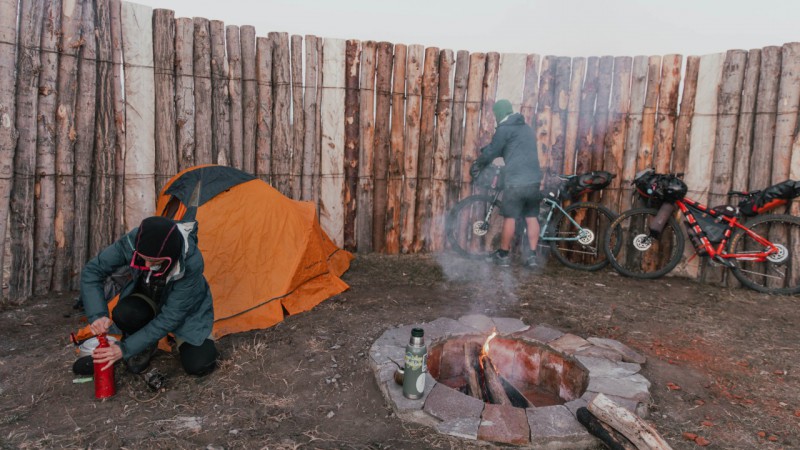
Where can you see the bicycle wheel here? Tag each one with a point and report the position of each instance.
(474, 226)
(633, 252)
(780, 273)
(585, 253)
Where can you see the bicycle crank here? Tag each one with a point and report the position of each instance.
(480, 228)
(642, 242)
(586, 236)
(780, 256)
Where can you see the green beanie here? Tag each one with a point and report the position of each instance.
(502, 108)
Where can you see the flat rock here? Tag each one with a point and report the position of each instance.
(448, 404)
(504, 424)
(634, 387)
(463, 428)
(507, 325)
(628, 354)
(569, 344)
(381, 354)
(600, 352)
(603, 367)
(481, 323)
(554, 427)
(443, 328)
(396, 336)
(540, 333)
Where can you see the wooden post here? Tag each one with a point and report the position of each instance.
(45, 185)
(544, 113)
(558, 123)
(442, 150)
(647, 141)
(457, 127)
(101, 217)
(331, 212)
(298, 119)
(8, 115)
(642, 434)
(477, 68)
(164, 59)
(583, 157)
(511, 79)
(747, 115)
(423, 211)
(309, 186)
(233, 45)
(203, 153)
(383, 88)
(20, 284)
(366, 145)
(766, 109)
(184, 92)
(667, 111)
(263, 160)
(573, 114)
(530, 90)
(786, 113)
(599, 139)
(351, 135)
(638, 92)
(394, 194)
(684, 125)
(488, 122)
(410, 168)
(247, 37)
(119, 118)
(220, 96)
(137, 37)
(281, 120)
(617, 129)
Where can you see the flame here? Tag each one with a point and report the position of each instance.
(485, 351)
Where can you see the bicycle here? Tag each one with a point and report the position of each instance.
(761, 253)
(473, 225)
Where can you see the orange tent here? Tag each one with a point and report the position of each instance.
(265, 254)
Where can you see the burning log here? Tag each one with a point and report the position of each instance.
(639, 432)
(483, 380)
(494, 387)
(472, 352)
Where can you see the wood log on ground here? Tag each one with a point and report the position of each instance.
(457, 127)
(351, 128)
(281, 120)
(530, 89)
(612, 438)
(558, 123)
(489, 95)
(394, 186)
(469, 153)
(472, 352)
(573, 114)
(119, 118)
(544, 112)
(202, 92)
(439, 177)
(308, 186)
(101, 217)
(639, 432)
(638, 92)
(583, 157)
(683, 128)
(8, 115)
(331, 200)
(422, 212)
(383, 88)
(667, 111)
(220, 96)
(766, 111)
(184, 92)
(747, 115)
(65, 144)
(247, 36)
(45, 185)
(494, 387)
(298, 119)
(20, 283)
(410, 167)
(366, 110)
(233, 45)
(164, 59)
(619, 108)
(647, 141)
(263, 166)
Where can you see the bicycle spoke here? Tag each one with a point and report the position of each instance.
(780, 272)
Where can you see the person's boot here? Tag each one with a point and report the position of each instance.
(139, 362)
(498, 259)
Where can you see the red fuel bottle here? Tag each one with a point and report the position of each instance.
(104, 385)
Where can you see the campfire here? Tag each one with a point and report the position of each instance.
(483, 380)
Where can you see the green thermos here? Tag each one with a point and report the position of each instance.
(416, 365)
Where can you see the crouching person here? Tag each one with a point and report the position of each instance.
(167, 294)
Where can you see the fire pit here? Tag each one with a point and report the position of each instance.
(499, 380)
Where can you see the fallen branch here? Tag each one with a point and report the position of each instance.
(643, 436)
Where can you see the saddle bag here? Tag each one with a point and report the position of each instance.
(587, 182)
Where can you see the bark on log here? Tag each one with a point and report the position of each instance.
(786, 114)
(164, 59)
(8, 114)
(683, 128)
(298, 119)
(366, 147)
(617, 129)
(331, 212)
(558, 122)
(309, 188)
(439, 176)
(220, 96)
(394, 186)
(638, 92)
(766, 109)
(583, 158)
(477, 68)
(457, 127)
(45, 185)
(599, 139)
(20, 283)
(667, 111)
(383, 88)
(497, 394)
(263, 160)
(202, 93)
(351, 128)
(642, 434)
(184, 92)
(247, 36)
(488, 122)
(281, 120)
(411, 144)
(573, 114)
(612, 438)
(647, 141)
(233, 45)
(119, 118)
(530, 90)
(472, 351)
(544, 113)
(747, 115)
(423, 211)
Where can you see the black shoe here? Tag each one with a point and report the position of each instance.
(532, 263)
(498, 259)
(83, 366)
(139, 362)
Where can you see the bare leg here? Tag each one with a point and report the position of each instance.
(509, 224)
(533, 232)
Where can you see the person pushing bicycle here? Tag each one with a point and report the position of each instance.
(514, 141)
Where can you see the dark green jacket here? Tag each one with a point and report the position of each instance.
(187, 310)
(515, 141)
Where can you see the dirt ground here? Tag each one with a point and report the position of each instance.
(723, 363)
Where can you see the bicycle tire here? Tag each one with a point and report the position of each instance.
(630, 252)
(462, 220)
(587, 253)
(780, 229)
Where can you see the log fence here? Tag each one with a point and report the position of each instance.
(101, 102)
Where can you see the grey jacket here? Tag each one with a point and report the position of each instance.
(187, 309)
(515, 141)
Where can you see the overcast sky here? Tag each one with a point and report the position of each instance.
(553, 27)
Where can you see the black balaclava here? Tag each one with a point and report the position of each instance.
(159, 237)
